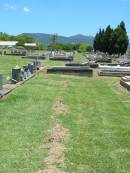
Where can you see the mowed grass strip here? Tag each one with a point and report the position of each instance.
(98, 122)
(24, 120)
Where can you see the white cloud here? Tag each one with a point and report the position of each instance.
(26, 9)
(8, 6)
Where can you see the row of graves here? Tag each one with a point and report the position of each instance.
(28, 55)
(78, 68)
(105, 66)
(70, 67)
(14, 52)
(125, 80)
(101, 61)
(20, 76)
(11, 48)
(119, 69)
(58, 56)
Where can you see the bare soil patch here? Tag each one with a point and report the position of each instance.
(51, 169)
(59, 107)
(58, 134)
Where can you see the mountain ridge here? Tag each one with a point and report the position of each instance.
(75, 39)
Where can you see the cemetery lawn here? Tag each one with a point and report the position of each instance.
(9, 62)
(97, 118)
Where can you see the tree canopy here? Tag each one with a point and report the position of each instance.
(20, 38)
(112, 41)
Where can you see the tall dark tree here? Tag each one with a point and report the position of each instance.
(124, 40)
(107, 39)
(95, 45)
(122, 25)
(101, 40)
(112, 41)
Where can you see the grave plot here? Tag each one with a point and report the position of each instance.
(125, 82)
(62, 58)
(30, 55)
(99, 58)
(82, 64)
(35, 56)
(80, 71)
(15, 53)
(116, 71)
(103, 60)
(77, 64)
(124, 62)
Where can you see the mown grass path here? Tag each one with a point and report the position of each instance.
(98, 120)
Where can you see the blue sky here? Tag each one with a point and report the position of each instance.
(64, 17)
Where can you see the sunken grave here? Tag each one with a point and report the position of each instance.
(71, 70)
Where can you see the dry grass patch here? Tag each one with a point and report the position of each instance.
(58, 134)
(56, 149)
(51, 169)
(59, 107)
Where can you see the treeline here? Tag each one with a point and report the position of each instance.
(20, 38)
(23, 38)
(112, 41)
(71, 47)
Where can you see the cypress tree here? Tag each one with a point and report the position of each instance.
(112, 41)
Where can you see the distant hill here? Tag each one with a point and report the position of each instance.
(46, 38)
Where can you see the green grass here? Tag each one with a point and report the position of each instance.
(9, 62)
(98, 121)
(99, 124)
(25, 117)
(49, 63)
(77, 58)
(80, 58)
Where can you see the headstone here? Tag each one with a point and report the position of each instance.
(16, 74)
(31, 68)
